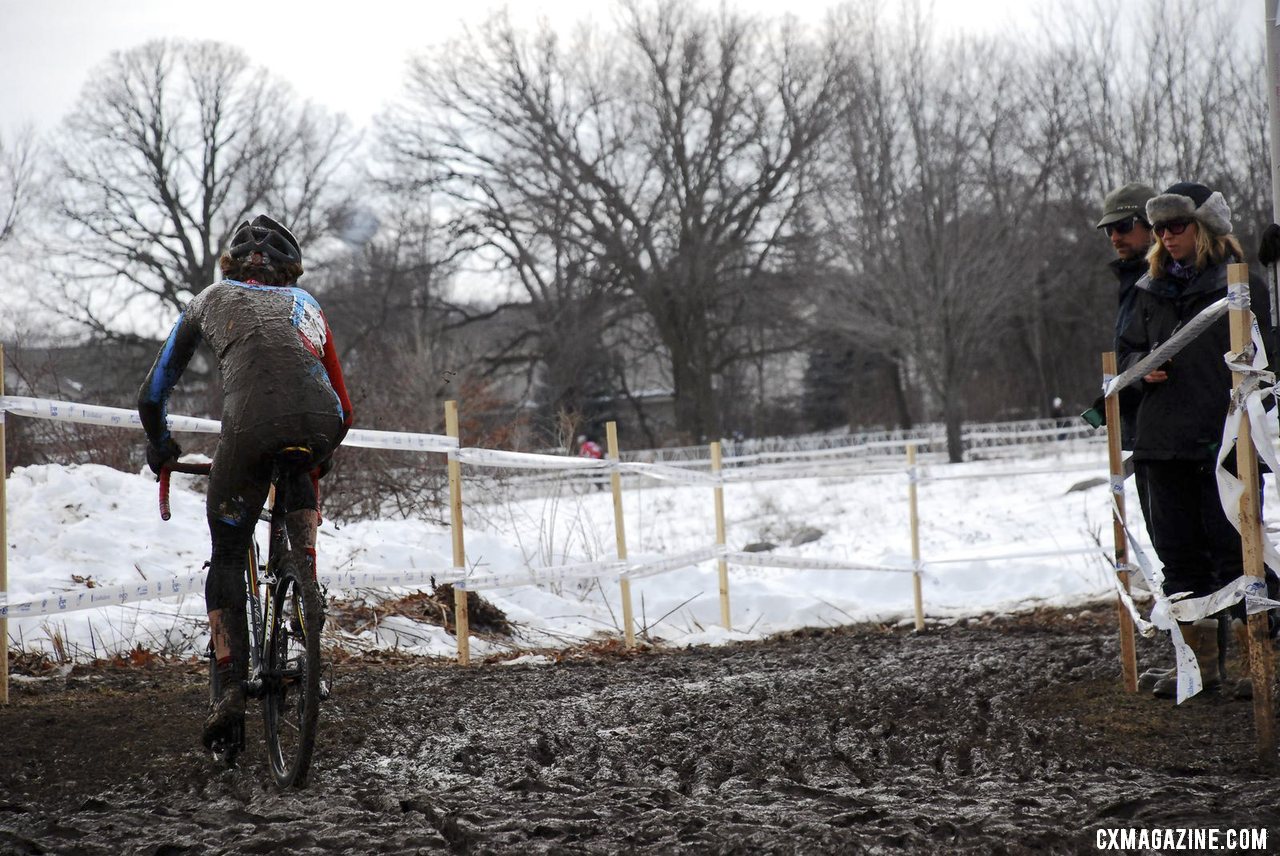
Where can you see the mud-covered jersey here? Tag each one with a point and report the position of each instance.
(274, 350)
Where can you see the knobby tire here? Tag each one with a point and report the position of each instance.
(291, 656)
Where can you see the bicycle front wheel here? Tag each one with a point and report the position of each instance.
(291, 672)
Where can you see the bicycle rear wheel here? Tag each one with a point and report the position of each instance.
(291, 672)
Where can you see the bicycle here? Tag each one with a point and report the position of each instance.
(285, 610)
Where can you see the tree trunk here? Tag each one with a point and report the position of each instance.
(951, 410)
(900, 395)
(695, 408)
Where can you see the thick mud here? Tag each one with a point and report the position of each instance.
(1003, 736)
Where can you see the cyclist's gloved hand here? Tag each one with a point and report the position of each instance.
(158, 456)
(1269, 245)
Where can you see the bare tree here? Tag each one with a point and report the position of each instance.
(929, 181)
(658, 167)
(1167, 93)
(170, 146)
(17, 181)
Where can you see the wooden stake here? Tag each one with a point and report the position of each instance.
(915, 536)
(1128, 651)
(722, 565)
(4, 552)
(1261, 664)
(620, 535)
(461, 622)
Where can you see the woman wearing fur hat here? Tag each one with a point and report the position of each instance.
(1184, 403)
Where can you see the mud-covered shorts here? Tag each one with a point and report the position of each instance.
(238, 487)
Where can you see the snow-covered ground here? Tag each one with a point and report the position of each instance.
(72, 526)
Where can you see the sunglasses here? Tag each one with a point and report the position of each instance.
(1173, 227)
(1123, 227)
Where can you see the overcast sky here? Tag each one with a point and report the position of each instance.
(349, 56)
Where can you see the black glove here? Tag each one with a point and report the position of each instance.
(158, 456)
(1269, 245)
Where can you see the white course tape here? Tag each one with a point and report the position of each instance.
(1151, 575)
(528, 460)
(1190, 681)
(771, 560)
(403, 441)
(1168, 348)
(529, 576)
(53, 603)
(56, 603)
(117, 417)
(1248, 400)
(1034, 554)
(1250, 589)
(778, 472)
(89, 414)
(1012, 473)
(1146, 628)
(663, 472)
(693, 557)
(388, 579)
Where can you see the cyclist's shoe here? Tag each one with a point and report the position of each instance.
(225, 714)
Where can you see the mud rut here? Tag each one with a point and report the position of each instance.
(1005, 736)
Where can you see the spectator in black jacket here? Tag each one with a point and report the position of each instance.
(1124, 219)
(1184, 402)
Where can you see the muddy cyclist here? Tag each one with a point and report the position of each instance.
(282, 386)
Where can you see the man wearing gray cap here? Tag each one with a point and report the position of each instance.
(1124, 219)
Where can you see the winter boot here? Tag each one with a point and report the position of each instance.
(1202, 636)
(1147, 680)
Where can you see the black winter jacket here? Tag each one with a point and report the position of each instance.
(1182, 418)
(1128, 272)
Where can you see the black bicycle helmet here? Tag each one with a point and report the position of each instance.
(268, 237)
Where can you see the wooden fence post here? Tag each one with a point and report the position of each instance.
(1128, 651)
(462, 626)
(915, 536)
(723, 564)
(620, 535)
(1261, 664)
(4, 551)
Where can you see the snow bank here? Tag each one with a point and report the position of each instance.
(73, 527)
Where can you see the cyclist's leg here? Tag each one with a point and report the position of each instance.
(237, 490)
(298, 495)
